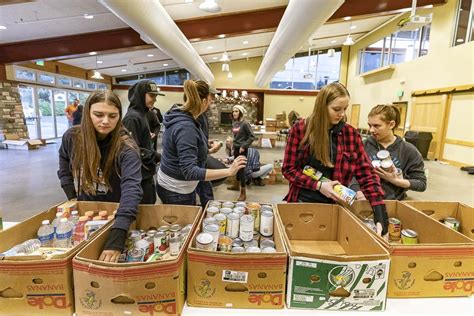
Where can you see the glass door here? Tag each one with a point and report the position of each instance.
(46, 113)
(27, 95)
(60, 104)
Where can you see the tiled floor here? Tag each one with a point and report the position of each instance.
(29, 184)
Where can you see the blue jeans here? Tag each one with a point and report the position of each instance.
(170, 197)
(204, 190)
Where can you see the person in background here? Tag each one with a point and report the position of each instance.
(185, 149)
(77, 115)
(243, 138)
(69, 110)
(326, 143)
(142, 97)
(154, 123)
(408, 169)
(254, 171)
(104, 161)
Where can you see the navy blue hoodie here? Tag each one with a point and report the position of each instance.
(136, 123)
(184, 146)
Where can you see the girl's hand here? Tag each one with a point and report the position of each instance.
(241, 150)
(360, 196)
(109, 255)
(239, 163)
(327, 189)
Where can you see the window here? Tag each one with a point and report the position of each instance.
(79, 84)
(23, 74)
(46, 78)
(311, 72)
(163, 78)
(101, 86)
(91, 86)
(64, 81)
(399, 47)
(176, 77)
(464, 23)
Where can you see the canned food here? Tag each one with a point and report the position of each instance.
(211, 211)
(224, 244)
(151, 232)
(246, 227)
(103, 214)
(240, 204)
(386, 164)
(226, 210)
(268, 250)
(253, 250)
(151, 246)
(409, 237)
(154, 257)
(394, 228)
(369, 222)
(142, 244)
(228, 204)
(165, 229)
(134, 235)
(266, 223)
(239, 210)
(237, 242)
(267, 243)
(135, 255)
(161, 245)
(215, 204)
(209, 221)
(266, 207)
(376, 163)
(238, 249)
(232, 225)
(174, 245)
(252, 243)
(383, 154)
(204, 241)
(215, 232)
(345, 193)
(89, 214)
(175, 228)
(254, 210)
(222, 222)
(452, 223)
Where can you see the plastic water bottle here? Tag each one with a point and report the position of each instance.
(79, 231)
(74, 217)
(63, 234)
(27, 247)
(56, 220)
(46, 234)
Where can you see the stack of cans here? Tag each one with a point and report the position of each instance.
(237, 227)
(155, 243)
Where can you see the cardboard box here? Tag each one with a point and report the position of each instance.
(440, 265)
(31, 285)
(335, 264)
(23, 144)
(137, 288)
(440, 210)
(259, 282)
(269, 122)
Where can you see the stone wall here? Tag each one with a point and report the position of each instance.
(12, 119)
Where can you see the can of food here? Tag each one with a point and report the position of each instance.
(376, 163)
(134, 235)
(246, 227)
(254, 210)
(239, 210)
(103, 214)
(409, 237)
(215, 204)
(267, 243)
(268, 250)
(266, 223)
(224, 244)
(386, 164)
(226, 210)
(144, 245)
(345, 193)
(135, 255)
(154, 257)
(237, 242)
(253, 250)
(241, 204)
(394, 228)
(151, 245)
(165, 229)
(266, 207)
(175, 243)
(204, 241)
(215, 232)
(209, 221)
(452, 223)
(232, 225)
(262, 238)
(151, 232)
(222, 222)
(383, 154)
(160, 242)
(228, 204)
(175, 230)
(211, 211)
(89, 214)
(251, 243)
(238, 249)
(369, 222)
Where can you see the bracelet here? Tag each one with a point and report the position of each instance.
(320, 184)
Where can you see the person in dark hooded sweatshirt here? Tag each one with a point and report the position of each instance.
(142, 96)
(408, 170)
(185, 149)
(326, 143)
(104, 161)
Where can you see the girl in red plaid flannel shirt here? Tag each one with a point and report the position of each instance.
(325, 142)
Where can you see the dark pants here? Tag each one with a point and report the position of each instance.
(169, 197)
(241, 172)
(149, 192)
(204, 190)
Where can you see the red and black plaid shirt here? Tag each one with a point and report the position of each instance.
(351, 160)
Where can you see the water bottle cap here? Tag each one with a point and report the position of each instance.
(74, 212)
(59, 214)
(45, 222)
(63, 220)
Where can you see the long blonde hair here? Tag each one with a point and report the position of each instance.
(317, 124)
(194, 92)
(86, 155)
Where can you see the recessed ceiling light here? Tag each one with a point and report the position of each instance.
(88, 16)
(188, 1)
(459, 40)
(93, 53)
(221, 36)
(334, 41)
(347, 18)
(245, 42)
(214, 57)
(100, 62)
(245, 54)
(164, 65)
(124, 70)
(353, 27)
(3, 27)
(150, 55)
(209, 47)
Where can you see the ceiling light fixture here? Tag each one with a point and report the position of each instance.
(3, 27)
(100, 62)
(88, 16)
(93, 53)
(245, 54)
(225, 67)
(209, 47)
(347, 18)
(229, 75)
(245, 42)
(331, 52)
(150, 55)
(96, 74)
(221, 36)
(188, 1)
(353, 27)
(124, 70)
(214, 57)
(333, 42)
(349, 41)
(164, 65)
(210, 6)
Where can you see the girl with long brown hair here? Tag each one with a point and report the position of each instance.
(103, 161)
(185, 149)
(326, 143)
